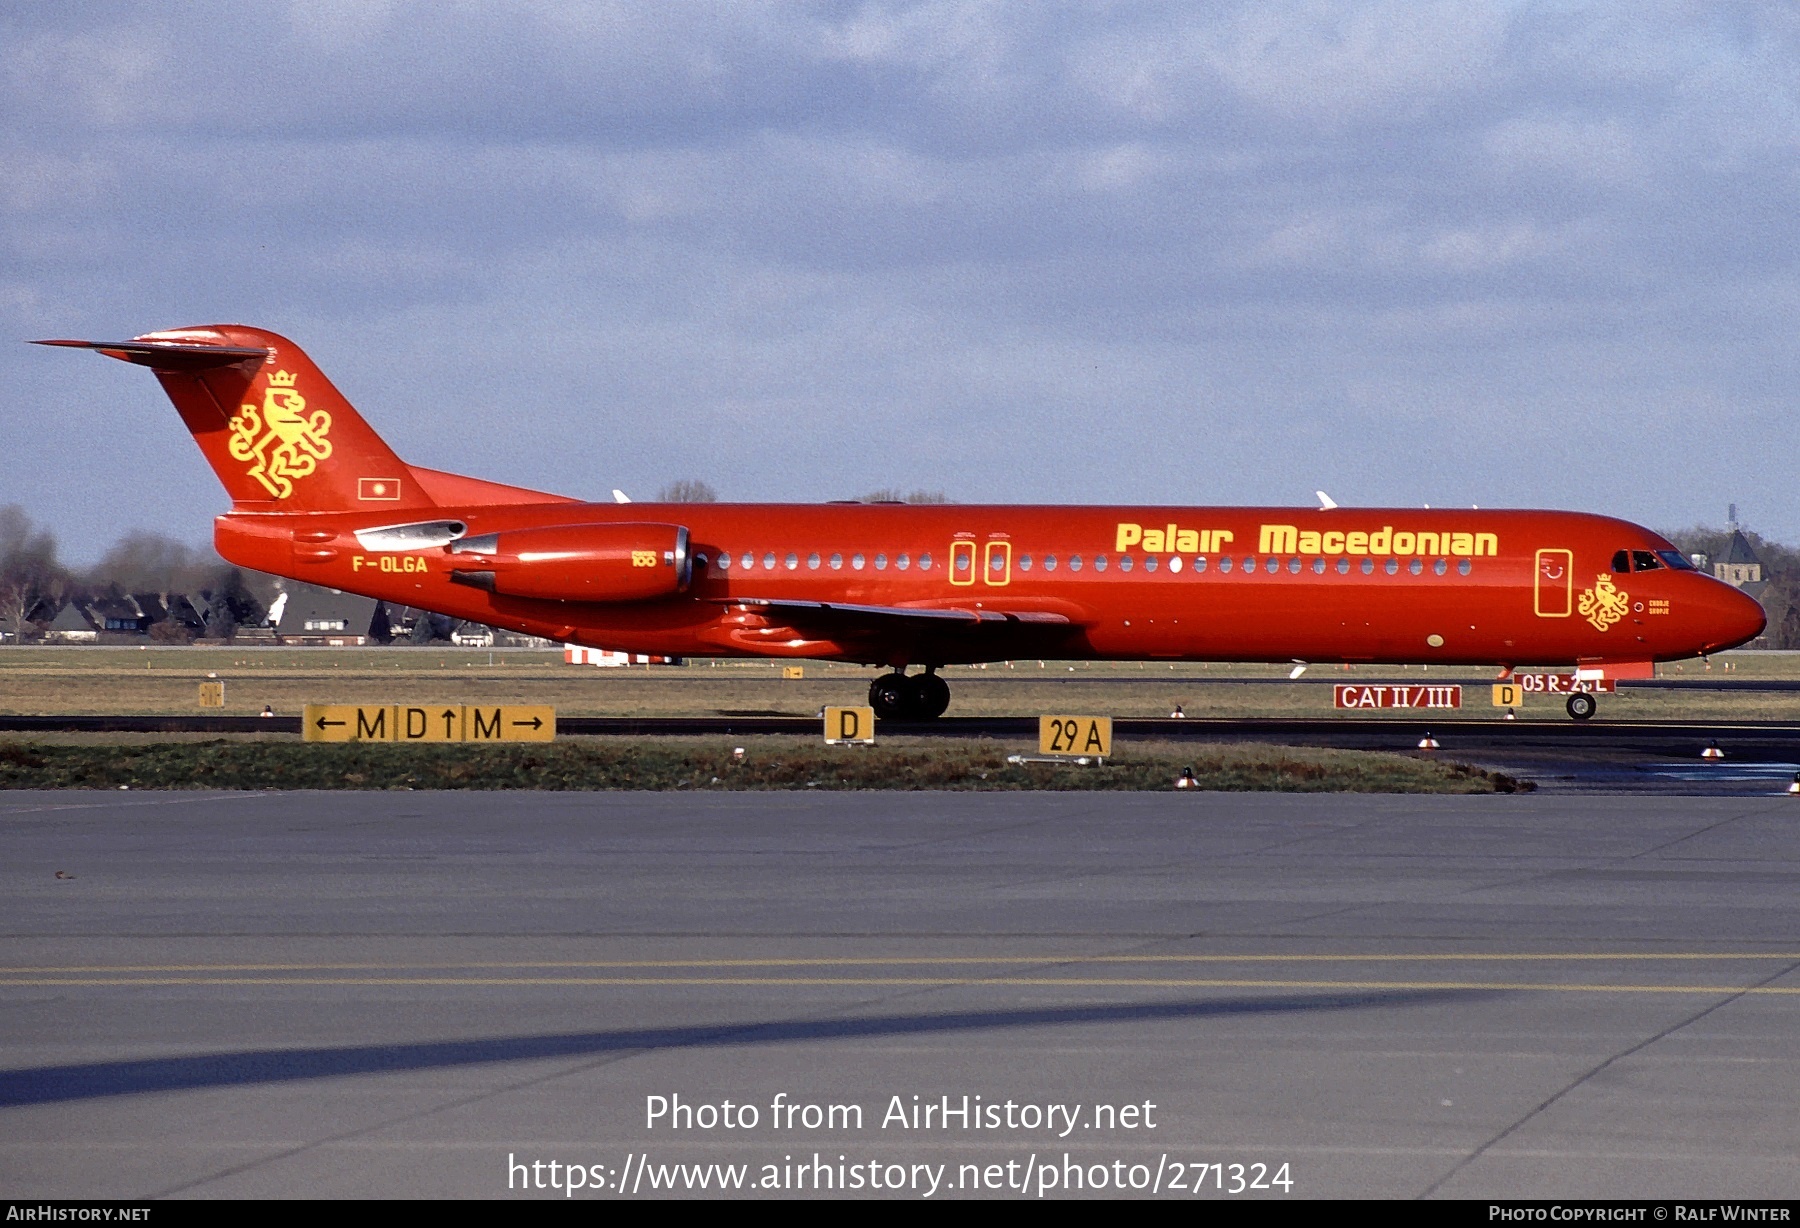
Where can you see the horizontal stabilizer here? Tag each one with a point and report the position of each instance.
(169, 355)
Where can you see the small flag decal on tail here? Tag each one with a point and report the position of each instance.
(377, 489)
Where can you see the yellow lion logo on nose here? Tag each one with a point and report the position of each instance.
(284, 442)
(1603, 605)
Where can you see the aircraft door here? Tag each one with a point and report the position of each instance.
(997, 564)
(1554, 583)
(962, 562)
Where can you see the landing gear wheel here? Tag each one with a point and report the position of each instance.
(930, 696)
(891, 696)
(1582, 706)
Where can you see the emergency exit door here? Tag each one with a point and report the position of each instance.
(1554, 584)
(991, 560)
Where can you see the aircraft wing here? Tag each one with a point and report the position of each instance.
(891, 617)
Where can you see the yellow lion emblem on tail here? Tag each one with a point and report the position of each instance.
(284, 442)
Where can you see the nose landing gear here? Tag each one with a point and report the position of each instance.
(922, 697)
(1581, 706)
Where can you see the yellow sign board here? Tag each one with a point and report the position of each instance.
(437, 723)
(347, 723)
(429, 723)
(1508, 695)
(849, 725)
(1075, 735)
(212, 694)
(793, 671)
(509, 723)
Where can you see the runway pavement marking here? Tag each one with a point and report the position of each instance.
(918, 961)
(906, 982)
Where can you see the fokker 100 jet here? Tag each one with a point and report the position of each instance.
(317, 496)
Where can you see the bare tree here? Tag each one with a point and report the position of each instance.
(29, 571)
(16, 600)
(146, 562)
(894, 496)
(687, 490)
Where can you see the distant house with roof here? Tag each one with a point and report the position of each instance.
(71, 626)
(1741, 565)
(121, 615)
(325, 617)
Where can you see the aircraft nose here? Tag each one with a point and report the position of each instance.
(1735, 618)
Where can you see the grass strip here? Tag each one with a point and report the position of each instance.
(671, 763)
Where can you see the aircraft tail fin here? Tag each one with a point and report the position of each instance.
(276, 432)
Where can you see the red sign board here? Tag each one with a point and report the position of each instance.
(1563, 684)
(1344, 695)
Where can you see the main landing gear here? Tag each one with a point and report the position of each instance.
(922, 697)
(1581, 705)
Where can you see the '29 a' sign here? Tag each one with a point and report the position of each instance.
(1347, 695)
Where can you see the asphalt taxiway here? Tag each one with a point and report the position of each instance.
(405, 994)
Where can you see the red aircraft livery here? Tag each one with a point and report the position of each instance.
(317, 496)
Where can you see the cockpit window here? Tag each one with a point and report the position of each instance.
(1621, 562)
(1644, 560)
(1675, 559)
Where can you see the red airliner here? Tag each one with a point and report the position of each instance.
(317, 496)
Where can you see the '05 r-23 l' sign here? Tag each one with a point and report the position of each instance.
(1346, 695)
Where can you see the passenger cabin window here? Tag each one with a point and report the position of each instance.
(1643, 560)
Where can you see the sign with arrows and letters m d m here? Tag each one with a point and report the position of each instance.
(429, 723)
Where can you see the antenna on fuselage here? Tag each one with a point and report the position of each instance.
(1326, 502)
(620, 496)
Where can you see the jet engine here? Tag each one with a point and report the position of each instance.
(577, 562)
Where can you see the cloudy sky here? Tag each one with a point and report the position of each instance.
(1508, 254)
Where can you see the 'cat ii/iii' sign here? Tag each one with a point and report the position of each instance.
(1346, 695)
(429, 723)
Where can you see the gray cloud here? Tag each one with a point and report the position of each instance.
(1496, 253)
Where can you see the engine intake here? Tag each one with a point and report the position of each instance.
(577, 562)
